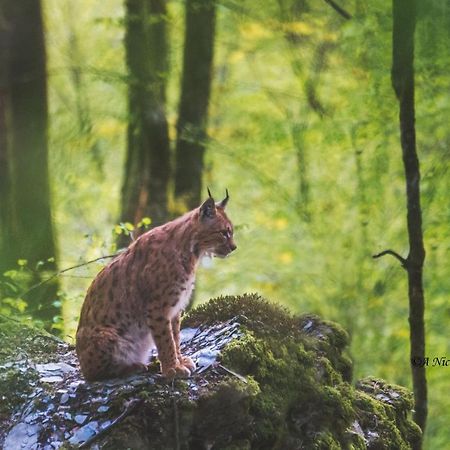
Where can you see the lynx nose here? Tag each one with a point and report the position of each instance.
(233, 247)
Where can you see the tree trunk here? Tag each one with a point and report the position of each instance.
(82, 106)
(27, 230)
(195, 94)
(303, 192)
(147, 172)
(5, 178)
(403, 84)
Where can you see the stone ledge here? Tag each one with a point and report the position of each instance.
(265, 379)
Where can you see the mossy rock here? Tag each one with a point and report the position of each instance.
(19, 344)
(266, 380)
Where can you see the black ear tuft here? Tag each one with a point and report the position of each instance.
(208, 209)
(224, 202)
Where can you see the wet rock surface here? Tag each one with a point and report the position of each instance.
(264, 379)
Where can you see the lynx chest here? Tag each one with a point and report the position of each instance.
(184, 296)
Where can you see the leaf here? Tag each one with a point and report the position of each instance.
(20, 305)
(16, 304)
(22, 262)
(145, 222)
(10, 274)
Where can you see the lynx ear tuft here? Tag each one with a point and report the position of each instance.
(224, 202)
(208, 209)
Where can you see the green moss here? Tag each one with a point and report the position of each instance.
(222, 416)
(388, 408)
(15, 384)
(253, 311)
(305, 398)
(327, 338)
(325, 441)
(269, 320)
(19, 344)
(299, 392)
(19, 340)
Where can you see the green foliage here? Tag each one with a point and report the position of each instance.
(303, 132)
(125, 228)
(17, 284)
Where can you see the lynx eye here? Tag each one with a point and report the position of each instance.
(226, 233)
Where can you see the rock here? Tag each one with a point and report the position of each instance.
(265, 379)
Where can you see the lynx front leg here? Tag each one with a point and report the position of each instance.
(165, 344)
(184, 360)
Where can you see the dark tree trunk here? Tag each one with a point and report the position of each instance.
(147, 172)
(195, 94)
(5, 178)
(27, 230)
(403, 84)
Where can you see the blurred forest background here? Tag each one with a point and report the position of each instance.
(112, 130)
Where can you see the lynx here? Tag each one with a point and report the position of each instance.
(136, 301)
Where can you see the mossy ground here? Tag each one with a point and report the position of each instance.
(19, 343)
(20, 347)
(304, 397)
(283, 383)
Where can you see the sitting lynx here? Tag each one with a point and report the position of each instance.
(135, 302)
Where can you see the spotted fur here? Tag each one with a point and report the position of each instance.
(136, 301)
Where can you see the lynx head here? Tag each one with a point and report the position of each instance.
(215, 233)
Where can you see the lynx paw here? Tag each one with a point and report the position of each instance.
(188, 363)
(177, 371)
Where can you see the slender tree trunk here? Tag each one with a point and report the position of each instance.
(147, 172)
(309, 79)
(195, 94)
(27, 230)
(303, 198)
(403, 84)
(5, 178)
(82, 106)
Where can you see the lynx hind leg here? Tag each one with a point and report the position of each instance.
(104, 354)
(167, 353)
(183, 360)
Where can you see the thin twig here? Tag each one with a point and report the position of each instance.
(403, 261)
(60, 272)
(231, 372)
(339, 9)
(126, 412)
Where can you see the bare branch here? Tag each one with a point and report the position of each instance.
(341, 11)
(231, 372)
(60, 272)
(402, 260)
